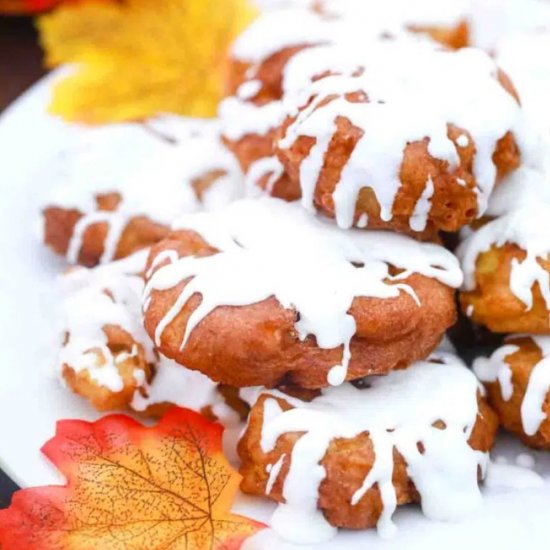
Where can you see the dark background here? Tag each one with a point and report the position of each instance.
(20, 58)
(20, 66)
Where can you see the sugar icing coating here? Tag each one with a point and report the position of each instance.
(519, 55)
(299, 23)
(503, 20)
(496, 369)
(241, 118)
(528, 227)
(529, 184)
(111, 295)
(419, 219)
(437, 81)
(267, 166)
(446, 474)
(272, 248)
(399, 13)
(152, 166)
(277, 30)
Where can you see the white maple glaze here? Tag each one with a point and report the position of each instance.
(152, 166)
(273, 248)
(111, 295)
(395, 14)
(496, 21)
(526, 226)
(274, 470)
(521, 55)
(297, 24)
(445, 474)
(249, 89)
(277, 30)
(419, 219)
(267, 166)
(496, 369)
(526, 186)
(241, 118)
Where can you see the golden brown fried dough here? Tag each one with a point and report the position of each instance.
(518, 403)
(453, 37)
(60, 224)
(347, 463)
(492, 302)
(269, 73)
(258, 344)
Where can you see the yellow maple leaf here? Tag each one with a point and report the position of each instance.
(138, 58)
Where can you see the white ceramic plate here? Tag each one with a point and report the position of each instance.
(31, 400)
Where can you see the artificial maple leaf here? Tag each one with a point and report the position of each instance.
(138, 58)
(25, 6)
(130, 487)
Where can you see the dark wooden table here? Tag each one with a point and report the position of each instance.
(20, 66)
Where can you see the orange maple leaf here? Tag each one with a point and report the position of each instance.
(18, 7)
(130, 487)
(139, 58)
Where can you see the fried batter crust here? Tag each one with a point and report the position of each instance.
(347, 462)
(453, 37)
(259, 345)
(59, 226)
(269, 73)
(140, 231)
(122, 346)
(250, 148)
(492, 303)
(521, 364)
